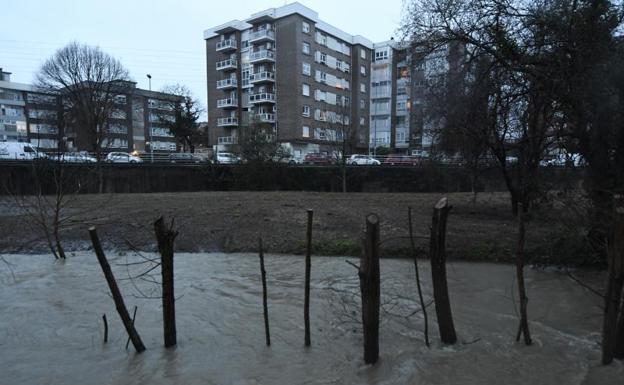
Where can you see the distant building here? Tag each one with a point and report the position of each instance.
(287, 68)
(136, 123)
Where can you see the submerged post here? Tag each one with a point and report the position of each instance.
(369, 289)
(308, 266)
(437, 254)
(264, 294)
(165, 237)
(112, 284)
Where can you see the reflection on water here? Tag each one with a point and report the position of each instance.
(51, 330)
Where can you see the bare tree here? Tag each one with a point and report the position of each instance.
(182, 120)
(86, 80)
(257, 143)
(339, 132)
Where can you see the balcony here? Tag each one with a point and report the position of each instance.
(226, 45)
(261, 36)
(227, 140)
(266, 118)
(227, 122)
(261, 77)
(262, 56)
(227, 103)
(262, 98)
(228, 64)
(227, 84)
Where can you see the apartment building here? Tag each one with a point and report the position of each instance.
(287, 68)
(135, 124)
(390, 102)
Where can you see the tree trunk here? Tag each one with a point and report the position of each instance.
(265, 306)
(308, 265)
(165, 237)
(112, 284)
(611, 328)
(437, 251)
(370, 290)
(344, 176)
(523, 328)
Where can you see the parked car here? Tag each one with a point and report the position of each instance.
(401, 160)
(122, 157)
(317, 158)
(19, 151)
(184, 157)
(359, 160)
(227, 158)
(75, 157)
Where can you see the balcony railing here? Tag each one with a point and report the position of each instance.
(266, 118)
(227, 64)
(227, 122)
(226, 45)
(227, 140)
(263, 97)
(227, 83)
(262, 56)
(260, 77)
(262, 35)
(227, 103)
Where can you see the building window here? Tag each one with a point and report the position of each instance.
(362, 53)
(306, 48)
(362, 87)
(307, 69)
(362, 121)
(381, 55)
(363, 70)
(306, 27)
(306, 132)
(362, 104)
(306, 111)
(305, 90)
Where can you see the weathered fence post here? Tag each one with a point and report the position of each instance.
(308, 266)
(264, 294)
(369, 289)
(437, 254)
(612, 332)
(165, 237)
(105, 328)
(112, 284)
(418, 285)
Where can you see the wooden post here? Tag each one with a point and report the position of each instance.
(165, 237)
(105, 328)
(612, 332)
(308, 266)
(437, 253)
(418, 285)
(523, 327)
(264, 295)
(369, 289)
(112, 284)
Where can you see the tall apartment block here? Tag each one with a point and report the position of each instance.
(136, 123)
(287, 68)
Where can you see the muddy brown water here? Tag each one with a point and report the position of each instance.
(51, 330)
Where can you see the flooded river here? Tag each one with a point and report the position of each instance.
(51, 330)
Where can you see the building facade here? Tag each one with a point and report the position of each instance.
(288, 69)
(136, 123)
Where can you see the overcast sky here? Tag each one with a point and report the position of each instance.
(159, 37)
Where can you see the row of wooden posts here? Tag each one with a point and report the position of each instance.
(368, 272)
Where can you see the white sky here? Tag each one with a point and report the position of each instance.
(161, 37)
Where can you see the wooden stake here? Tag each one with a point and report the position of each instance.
(308, 265)
(420, 295)
(437, 252)
(112, 284)
(264, 294)
(105, 328)
(370, 290)
(165, 237)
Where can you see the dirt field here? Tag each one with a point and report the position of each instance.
(233, 221)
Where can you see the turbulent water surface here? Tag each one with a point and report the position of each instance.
(51, 330)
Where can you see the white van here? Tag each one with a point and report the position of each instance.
(19, 151)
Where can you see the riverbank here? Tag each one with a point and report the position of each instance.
(233, 221)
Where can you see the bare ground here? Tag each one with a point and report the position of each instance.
(233, 221)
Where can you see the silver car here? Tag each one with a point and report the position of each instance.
(122, 157)
(358, 160)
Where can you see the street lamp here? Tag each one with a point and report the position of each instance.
(149, 79)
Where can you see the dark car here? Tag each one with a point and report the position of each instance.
(184, 157)
(400, 160)
(317, 158)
